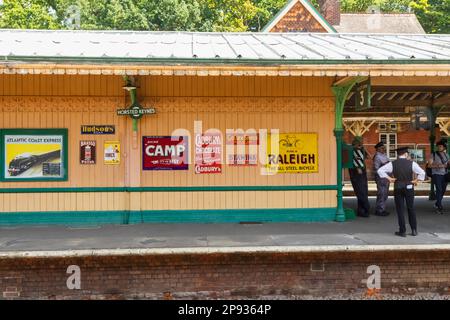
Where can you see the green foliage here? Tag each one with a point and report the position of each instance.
(27, 14)
(434, 15)
(190, 15)
(266, 10)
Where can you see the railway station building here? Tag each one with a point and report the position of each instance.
(117, 126)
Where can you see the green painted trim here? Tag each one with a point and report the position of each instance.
(167, 216)
(200, 61)
(36, 131)
(169, 189)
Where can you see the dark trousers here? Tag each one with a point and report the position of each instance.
(382, 194)
(402, 196)
(361, 189)
(441, 186)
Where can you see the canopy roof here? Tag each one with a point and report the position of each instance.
(106, 47)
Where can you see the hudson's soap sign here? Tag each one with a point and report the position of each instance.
(165, 153)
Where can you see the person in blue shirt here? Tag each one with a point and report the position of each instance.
(439, 163)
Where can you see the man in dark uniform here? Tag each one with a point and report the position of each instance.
(403, 170)
(358, 177)
(379, 160)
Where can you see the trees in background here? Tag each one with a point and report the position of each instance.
(190, 15)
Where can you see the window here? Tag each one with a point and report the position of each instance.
(390, 141)
(417, 155)
(393, 126)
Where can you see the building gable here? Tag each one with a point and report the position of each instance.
(298, 16)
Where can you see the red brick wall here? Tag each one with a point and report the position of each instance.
(298, 19)
(225, 275)
(404, 137)
(331, 11)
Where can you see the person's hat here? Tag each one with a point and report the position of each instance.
(402, 150)
(441, 143)
(357, 140)
(379, 144)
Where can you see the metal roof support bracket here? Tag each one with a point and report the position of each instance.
(341, 89)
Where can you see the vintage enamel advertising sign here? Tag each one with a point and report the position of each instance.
(242, 148)
(165, 153)
(208, 153)
(87, 152)
(298, 153)
(112, 152)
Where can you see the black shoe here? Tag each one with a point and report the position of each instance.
(414, 232)
(382, 214)
(400, 234)
(438, 210)
(363, 215)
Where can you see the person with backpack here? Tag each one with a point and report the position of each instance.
(439, 162)
(379, 160)
(403, 170)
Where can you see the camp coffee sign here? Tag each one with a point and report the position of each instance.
(165, 153)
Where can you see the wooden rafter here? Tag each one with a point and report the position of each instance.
(444, 125)
(358, 127)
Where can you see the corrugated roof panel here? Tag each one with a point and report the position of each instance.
(399, 49)
(437, 51)
(278, 47)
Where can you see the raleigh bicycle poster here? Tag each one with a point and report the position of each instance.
(297, 153)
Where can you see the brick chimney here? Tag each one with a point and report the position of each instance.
(331, 11)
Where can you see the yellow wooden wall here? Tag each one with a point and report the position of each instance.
(291, 104)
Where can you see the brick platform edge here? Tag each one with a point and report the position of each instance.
(227, 275)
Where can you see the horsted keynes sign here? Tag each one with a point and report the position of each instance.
(135, 111)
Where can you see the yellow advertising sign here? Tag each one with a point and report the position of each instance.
(112, 152)
(297, 153)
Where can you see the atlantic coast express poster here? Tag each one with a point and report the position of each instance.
(33, 155)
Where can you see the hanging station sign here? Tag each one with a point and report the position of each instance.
(208, 153)
(242, 149)
(112, 152)
(98, 129)
(297, 153)
(135, 111)
(87, 152)
(33, 154)
(165, 153)
(363, 95)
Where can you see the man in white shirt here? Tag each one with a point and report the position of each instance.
(403, 170)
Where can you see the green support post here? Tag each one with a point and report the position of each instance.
(133, 102)
(432, 139)
(341, 91)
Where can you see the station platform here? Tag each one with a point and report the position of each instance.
(373, 231)
(327, 260)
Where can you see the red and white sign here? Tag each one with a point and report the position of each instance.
(208, 153)
(165, 153)
(242, 149)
